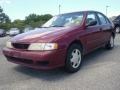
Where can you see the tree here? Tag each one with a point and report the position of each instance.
(32, 20)
(5, 22)
(37, 20)
(46, 17)
(18, 24)
(3, 17)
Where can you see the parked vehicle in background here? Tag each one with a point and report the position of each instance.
(116, 22)
(7, 32)
(2, 33)
(62, 41)
(14, 31)
(27, 29)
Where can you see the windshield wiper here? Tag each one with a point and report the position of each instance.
(56, 26)
(43, 27)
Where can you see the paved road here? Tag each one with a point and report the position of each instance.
(100, 71)
(3, 41)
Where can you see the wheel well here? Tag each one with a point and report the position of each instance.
(77, 42)
(117, 25)
(113, 34)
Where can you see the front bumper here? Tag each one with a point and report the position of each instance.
(43, 60)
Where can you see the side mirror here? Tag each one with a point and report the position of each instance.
(92, 23)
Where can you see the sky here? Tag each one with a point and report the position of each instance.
(19, 9)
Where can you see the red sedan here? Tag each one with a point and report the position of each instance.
(62, 41)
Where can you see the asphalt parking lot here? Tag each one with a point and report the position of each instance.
(100, 71)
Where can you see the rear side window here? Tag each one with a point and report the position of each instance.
(91, 17)
(102, 19)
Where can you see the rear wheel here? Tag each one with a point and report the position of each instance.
(74, 58)
(117, 29)
(110, 44)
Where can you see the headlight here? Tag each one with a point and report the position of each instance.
(9, 45)
(43, 46)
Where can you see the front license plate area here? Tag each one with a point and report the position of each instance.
(16, 55)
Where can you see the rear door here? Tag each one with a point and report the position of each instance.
(105, 27)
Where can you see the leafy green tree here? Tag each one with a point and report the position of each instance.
(46, 17)
(6, 26)
(18, 24)
(32, 20)
(37, 20)
(3, 17)
(5, 22)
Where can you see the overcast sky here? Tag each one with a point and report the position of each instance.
(18, 9)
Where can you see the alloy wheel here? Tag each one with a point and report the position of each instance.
(75, 58)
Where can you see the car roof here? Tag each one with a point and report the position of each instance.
(83, 12)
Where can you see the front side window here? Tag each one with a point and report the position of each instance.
(91, 17)
(63, 20)
(102, 19)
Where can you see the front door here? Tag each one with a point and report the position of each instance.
(93, 33)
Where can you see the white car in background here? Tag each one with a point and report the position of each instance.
(27, 29)
(14, 31)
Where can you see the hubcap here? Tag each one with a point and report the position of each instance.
(117, 29)
(112, 42)
(76, 58)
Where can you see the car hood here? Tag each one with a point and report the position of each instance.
(1, 32)
(41, 35)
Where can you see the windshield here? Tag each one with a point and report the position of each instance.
(1, 30)
(63, 20)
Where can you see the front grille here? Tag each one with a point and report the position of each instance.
(26, 61)
(42, 63)
(20, 46)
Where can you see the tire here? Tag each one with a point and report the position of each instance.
(110, 44)
(74, 58)
(117, 29)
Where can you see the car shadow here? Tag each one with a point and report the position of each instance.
(93, 57)
(50, 75)
(59, 74)
(98, 57)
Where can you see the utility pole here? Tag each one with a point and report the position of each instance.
(59, 8)
(107, 10)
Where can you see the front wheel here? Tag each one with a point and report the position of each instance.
(74, 58)
(110, 44)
